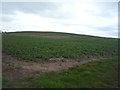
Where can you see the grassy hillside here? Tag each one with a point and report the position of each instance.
(97, 74)
(46, 45)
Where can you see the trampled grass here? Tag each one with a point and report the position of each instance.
(74, 46)
(97, 74)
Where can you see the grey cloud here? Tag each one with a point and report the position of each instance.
(108, 9)
(108, 28)
(39, 8)
(6, 19)
(44, 9)
(27, 7)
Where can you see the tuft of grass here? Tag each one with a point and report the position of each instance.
(96, 74)
(62, 60)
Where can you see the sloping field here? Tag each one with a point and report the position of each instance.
(43, 59)
(46, 46)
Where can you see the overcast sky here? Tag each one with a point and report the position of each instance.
(90, 18)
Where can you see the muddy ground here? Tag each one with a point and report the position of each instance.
(15, 69)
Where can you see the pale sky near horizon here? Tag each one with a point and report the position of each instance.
(89, 18)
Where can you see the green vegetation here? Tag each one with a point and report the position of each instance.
(5, 82)
(97, 74)
(36, 46)
(46, 45)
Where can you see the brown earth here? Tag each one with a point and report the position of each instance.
(42, 35)
(15, 69)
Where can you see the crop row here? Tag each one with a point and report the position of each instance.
(44, 48)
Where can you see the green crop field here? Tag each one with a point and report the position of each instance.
(46, 45)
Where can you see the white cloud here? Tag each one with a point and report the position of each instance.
(82, 18)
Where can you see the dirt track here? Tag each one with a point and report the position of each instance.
(14, 69)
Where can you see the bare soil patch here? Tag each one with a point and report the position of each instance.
(43, 35)
(14, 69)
